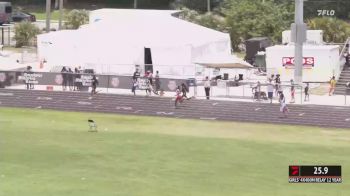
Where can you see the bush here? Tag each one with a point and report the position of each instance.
(334, 30)
(75, 18)
(25, 32)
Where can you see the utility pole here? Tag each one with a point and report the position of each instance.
(61, 15)
(208, 5)
(48, 15)
(298, 30)
(135, 4)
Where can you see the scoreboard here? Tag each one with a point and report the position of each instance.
(315, 174)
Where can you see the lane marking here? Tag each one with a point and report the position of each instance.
(165, 113)
(205, 118)
(348, 119)
(84, 103)
(301, 114)
(6, 94)
(44, 98)
(123, 108)
(137, 111)
(257, 109)
(214, 104)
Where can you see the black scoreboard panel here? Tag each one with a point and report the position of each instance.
(315, 174)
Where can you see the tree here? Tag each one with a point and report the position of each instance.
(76, 18)
(250, 18)
(25, 32)
(334, 30)
(210, 20)
(198, 5)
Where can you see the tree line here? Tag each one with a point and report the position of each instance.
(244, 19)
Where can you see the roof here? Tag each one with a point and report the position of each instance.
(305, 46)
(149, 27)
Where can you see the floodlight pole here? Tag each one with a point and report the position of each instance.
(48, 15)
(208, 5)
(299, 37)
(61, 15)
(135, 4)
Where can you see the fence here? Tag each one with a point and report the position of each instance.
(219, 88)
(11, 78)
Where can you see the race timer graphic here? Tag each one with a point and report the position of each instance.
(315, 174)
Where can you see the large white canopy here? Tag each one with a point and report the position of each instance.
(115, 41)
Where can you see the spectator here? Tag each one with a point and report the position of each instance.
(94, 84)
(70, 77)
(292, 91)
(148, 86)
(136, 75)
(270, 90)
(157, 81)
(184, 90)
(332, 84)
(258, 90)
(307, 92)
(134, 86)
(150, 77)
(207, 87)
(75, 78)
(277, 84)
(64, 77)
(28, 81)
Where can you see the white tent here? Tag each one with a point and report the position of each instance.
(115, 41)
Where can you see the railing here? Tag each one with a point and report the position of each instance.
(341, 57)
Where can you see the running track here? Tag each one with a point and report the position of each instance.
(313, 115)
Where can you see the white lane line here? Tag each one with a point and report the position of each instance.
(84, 103)
(205, 118)
(6, 94)
(165, 113)
(348, 119)
(123, 108)
(138, 111)
(301, 114)
(257, 109)
(44, 98)
(214, 104)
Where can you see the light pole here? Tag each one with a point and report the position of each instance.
(135, 4)
(298, 37)
(61, 15)
(48, 15)
(208, 5)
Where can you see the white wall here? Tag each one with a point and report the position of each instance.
(326, 62)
